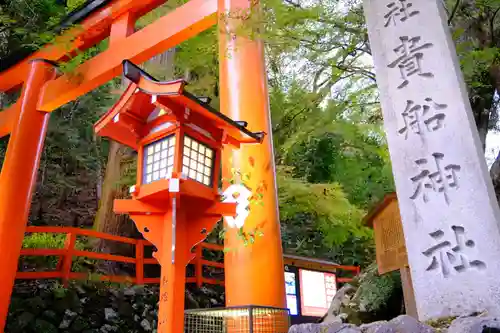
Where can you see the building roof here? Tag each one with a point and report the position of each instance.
(368, 219)
(145, 94)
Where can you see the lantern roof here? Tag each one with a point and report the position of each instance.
(147, 102)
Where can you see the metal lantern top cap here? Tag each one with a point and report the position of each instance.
(129, 120)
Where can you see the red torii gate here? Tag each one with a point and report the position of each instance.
(254, 275)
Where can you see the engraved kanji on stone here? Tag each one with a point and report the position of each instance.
(410, 59)
(439, 181)
(418, 118)
(399, 10)
(448, 257)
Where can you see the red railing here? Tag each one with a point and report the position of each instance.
(68, 252)
(66, 255)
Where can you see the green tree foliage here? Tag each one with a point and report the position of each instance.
(26, 24)
(319, 220)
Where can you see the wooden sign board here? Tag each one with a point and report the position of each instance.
(389, 239)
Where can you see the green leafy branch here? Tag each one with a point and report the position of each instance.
(257, 198)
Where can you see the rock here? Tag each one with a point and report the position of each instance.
(409, 324)
(24, 319)
(129, 292)
(147, 307)
(475, 325)
(79, 324)
(110, 314)
(332, 319)
(69, 316)
(69, 301)
(146, 325)
(80, 290)
(324, 328)
(44, 326)
(108, 329)
(139, 290)
(338, 300)
(36, 304)
(378, 327)
(95, 320)
(401, 324)
(50, 315)
(125, 309)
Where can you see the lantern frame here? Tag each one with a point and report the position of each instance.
(128, 123)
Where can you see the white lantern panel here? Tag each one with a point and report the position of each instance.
(163, 172)
(197, 161)
(159, 159)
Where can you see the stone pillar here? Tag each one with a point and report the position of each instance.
(449, 211)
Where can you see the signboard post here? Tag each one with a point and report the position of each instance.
(390, 246)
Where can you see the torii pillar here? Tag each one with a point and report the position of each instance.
(253, 274)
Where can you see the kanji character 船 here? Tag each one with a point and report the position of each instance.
(410, 58)
(400, 9)
(438, 181)
(417, 119)
(450, 258)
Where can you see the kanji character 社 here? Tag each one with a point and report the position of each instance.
(400, 9)
(410, 59)
(448, 257)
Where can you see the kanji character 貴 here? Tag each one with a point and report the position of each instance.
(410, 59)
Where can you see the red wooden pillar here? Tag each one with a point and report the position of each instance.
(173, 270)
(69, 246)
(139, 262)
(198, 268)
(254, 274)
(18, 177)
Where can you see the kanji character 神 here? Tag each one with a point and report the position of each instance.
(409, 61)
(417, 119)
(438, 181)
(400, 9)
(446, 257)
